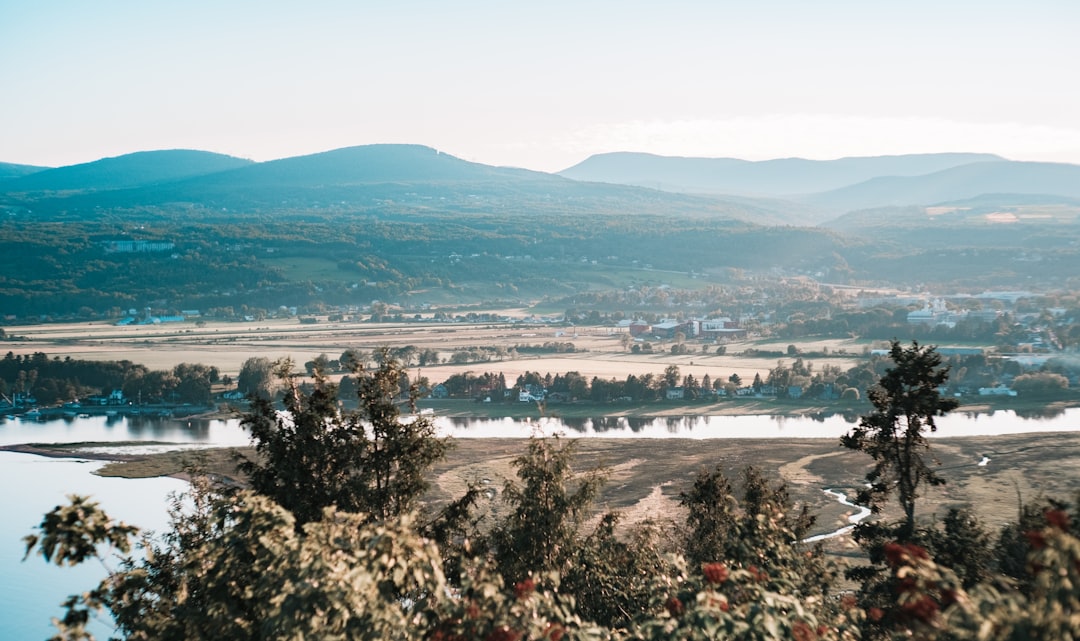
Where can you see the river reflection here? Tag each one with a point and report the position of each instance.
(228, 433)
(1046, 412)
(752, 427)
(122, 428)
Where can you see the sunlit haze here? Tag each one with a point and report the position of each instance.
(540, 85)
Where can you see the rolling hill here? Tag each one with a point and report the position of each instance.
(129, 170)
(400, 179)
(770, 178)
(370, 178)
(9, 170)
(957, 183)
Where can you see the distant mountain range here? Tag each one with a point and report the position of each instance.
(956, 183)
(364, 177)
(781, 178)
(790, 191)
(838, 186)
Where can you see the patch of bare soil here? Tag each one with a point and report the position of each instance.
(645, 477)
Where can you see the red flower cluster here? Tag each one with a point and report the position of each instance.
(758, 575)
(718, 601)
(898, 554)
(674, 606)
(875, 614)
(1035, 539)
(800, 631)
(924, 609)
(1058, 519)
(949, 597)
(522, 589)
(443, 635)
(715, 573)
(554, 632)
(503, 633)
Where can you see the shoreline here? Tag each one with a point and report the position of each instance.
(68, 451)
(119, 465)
(467, 409)
(753, 406)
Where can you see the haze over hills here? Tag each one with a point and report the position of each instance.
(129, 170)
(403, 178)
(1033, 221)
(772, 178)
(365, 177)
(956, 183)
(10, 170)
(814, 192)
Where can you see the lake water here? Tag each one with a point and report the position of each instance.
(31, 591)
(720, 427)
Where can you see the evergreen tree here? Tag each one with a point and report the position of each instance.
(314, 455)
(906, 400)
(540, 534)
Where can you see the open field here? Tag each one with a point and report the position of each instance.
(227, 345)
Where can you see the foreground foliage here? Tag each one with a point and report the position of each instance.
(237, 567)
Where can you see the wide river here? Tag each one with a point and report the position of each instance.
(31, 591)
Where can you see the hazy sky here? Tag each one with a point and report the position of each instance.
(540, 85)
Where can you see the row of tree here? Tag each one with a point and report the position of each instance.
(53, 380)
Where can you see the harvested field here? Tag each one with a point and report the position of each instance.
(227, 345)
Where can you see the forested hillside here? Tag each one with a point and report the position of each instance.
(173, 231)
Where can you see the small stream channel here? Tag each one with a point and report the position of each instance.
(855, 519)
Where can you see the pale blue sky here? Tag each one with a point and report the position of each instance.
(540, 85)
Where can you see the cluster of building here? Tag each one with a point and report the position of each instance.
(718, 329)
(936, 313)
(137, 246)
(148, 318)
(115, 397)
